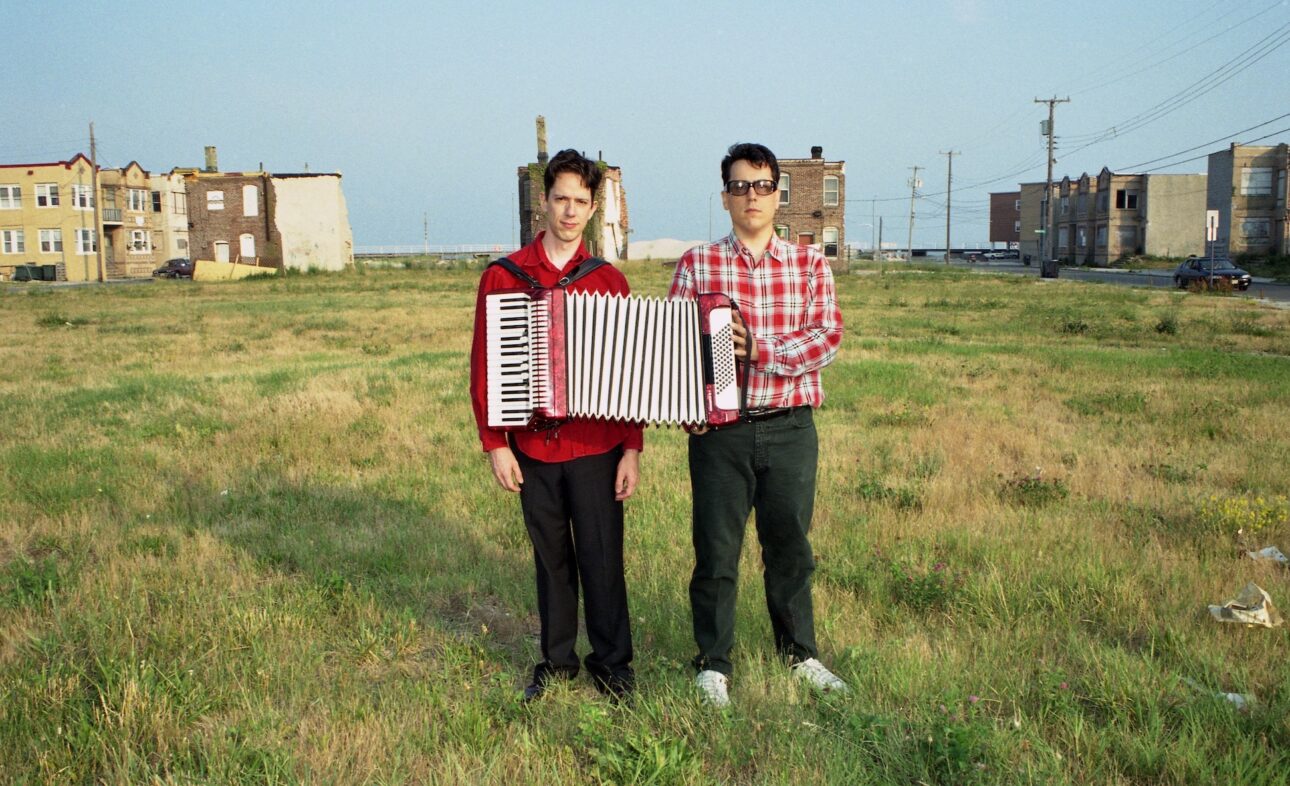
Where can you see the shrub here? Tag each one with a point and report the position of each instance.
(1243, 516)
(1033, 490)
(1168, 324)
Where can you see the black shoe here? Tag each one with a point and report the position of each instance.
(543, 675)
(533, 691)
(617, 688)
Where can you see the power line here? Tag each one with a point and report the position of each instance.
(1205, 144)
(1173, 103)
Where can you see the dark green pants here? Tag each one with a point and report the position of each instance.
(768, 467)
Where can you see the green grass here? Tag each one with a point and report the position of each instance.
(247, 536)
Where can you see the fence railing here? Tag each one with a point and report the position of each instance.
(462, 249)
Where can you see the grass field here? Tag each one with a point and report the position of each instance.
(247, 536)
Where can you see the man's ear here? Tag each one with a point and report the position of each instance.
(594, 205)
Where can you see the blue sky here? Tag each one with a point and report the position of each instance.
(428, 107)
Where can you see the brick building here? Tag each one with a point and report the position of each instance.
(1247, 186)
(293, 221)
(1005, 218)
(812, 202)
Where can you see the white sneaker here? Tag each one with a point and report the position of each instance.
(712, 686)
(813, 673)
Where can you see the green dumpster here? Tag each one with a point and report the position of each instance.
(49, 272)
(24, 273)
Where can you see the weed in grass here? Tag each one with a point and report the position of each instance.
(25, 582)
(871, 489)
(1074, 326)
(1033, 490)
(1173, 474)
(1167, 324)
(954, 745)
(637, 756)
(924, 589)
(1243, 516)
(900, 418)
(61, 320)
(1115, 402)
(1246, 325)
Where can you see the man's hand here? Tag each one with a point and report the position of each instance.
(629, 474)
(506, 469)
(745, 346)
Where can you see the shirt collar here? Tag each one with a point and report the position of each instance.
(777, 248)
(542, 259)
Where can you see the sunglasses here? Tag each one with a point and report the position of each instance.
(740, 187)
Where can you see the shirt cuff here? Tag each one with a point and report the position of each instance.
(765, 353)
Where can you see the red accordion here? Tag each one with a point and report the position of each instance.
(555, 355)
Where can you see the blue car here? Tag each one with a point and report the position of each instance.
(1202, 273)
(179, 267)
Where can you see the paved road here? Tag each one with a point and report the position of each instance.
(1260, 289)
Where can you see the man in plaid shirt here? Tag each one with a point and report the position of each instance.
(790, 328)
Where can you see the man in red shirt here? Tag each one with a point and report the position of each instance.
(791, 328)
(572, 479)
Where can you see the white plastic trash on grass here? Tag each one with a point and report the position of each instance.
(1253, 606)
(1270, 554)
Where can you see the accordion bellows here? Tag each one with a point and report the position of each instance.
(554, 355)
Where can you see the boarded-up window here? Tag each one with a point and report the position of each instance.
(221, 251)
(250, 201)
(215, 201)
(1256, 181)
(247, 243)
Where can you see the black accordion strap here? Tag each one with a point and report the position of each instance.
(509, 265)
(583, 268)
(743, 381)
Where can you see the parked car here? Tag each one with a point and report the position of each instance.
(179, 267)
(1203, 272)
(995, 254)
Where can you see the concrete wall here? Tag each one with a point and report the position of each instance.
(172, 223)
(1218, 190)
(312, 220)
(1175, 215)
(1029, 243)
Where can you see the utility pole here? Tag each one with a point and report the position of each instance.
(949, 179)
(425, 229)
(98, 217)
(1049, 249)
(914, 183)
(873, 225)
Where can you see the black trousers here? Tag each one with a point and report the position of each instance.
(576, 528)
(768, 467)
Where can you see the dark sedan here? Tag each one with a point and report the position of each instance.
(180, 267)
(1198, 273)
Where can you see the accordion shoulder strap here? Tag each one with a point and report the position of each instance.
(508, 264)
(584, 268)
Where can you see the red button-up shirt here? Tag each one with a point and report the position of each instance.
(789, 304)
(576, 438)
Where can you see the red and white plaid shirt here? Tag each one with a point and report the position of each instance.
(787, 301)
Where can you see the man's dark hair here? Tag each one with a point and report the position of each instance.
(574, 163)
(755, 154)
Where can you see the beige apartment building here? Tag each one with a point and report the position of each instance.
(130, 236)
(1101, 219)
(47, 219)
(1247, 186)
(1030, 235)
(812, 202)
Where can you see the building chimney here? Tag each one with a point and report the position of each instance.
(817, 152)
(541, 131)
(212, 160)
